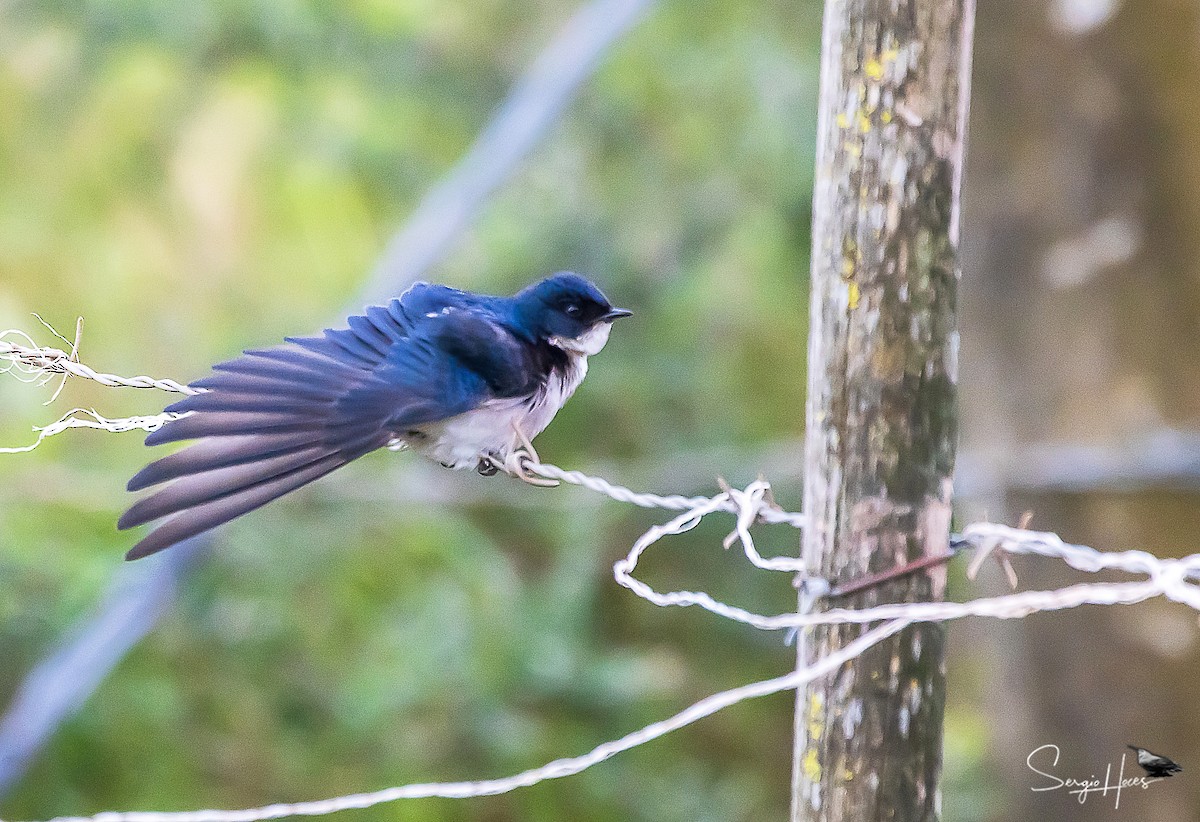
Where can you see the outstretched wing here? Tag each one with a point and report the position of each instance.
(275, 419)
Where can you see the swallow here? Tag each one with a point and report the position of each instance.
(1155, 765)
(460, 378)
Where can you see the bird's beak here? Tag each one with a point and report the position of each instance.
(616, 314)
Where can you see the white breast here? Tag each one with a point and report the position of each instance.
(458, 442)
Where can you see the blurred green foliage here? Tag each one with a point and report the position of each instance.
(198, 178)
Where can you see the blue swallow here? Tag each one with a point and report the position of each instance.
(458, 377)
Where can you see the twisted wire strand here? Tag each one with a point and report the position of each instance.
(92, 419)
(1171, 578)
(35, 359)
(670, 502)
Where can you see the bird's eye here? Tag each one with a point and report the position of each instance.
(572, 310)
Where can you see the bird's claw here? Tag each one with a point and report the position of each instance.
(517, 463)
(521, 458)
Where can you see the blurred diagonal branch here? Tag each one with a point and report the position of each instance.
(59, 684)
(64, 680)
(534, 105)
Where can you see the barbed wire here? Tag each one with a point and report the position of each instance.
(1174, 579)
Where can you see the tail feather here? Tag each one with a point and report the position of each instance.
(206, 486)
(209, 515)
(218, 452)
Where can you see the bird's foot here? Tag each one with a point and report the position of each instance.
(518, 463)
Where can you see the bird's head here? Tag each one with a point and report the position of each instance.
(568, 311)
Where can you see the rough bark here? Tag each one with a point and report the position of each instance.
(881, 415)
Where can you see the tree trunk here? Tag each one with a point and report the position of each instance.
(881, 414)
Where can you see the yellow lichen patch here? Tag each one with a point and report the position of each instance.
(847, 775)
(885, 117)
(864, 123)
(873, 69)
(811, 766)
(843, 120)
(816, 719)
(854, 295)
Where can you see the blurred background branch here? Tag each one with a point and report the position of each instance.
(535, 104)
(57, 686)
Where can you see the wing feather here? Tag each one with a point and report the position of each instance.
(369, 335)
(275, 419)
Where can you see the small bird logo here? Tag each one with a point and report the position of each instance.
(1155, 765)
